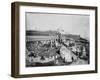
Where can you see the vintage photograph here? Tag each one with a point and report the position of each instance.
(53, 39)
(57, 39)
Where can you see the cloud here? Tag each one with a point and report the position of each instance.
(73, 24)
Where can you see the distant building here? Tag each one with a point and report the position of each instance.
(71, 37)
(51, 35)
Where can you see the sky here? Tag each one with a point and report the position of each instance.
(70, 24)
